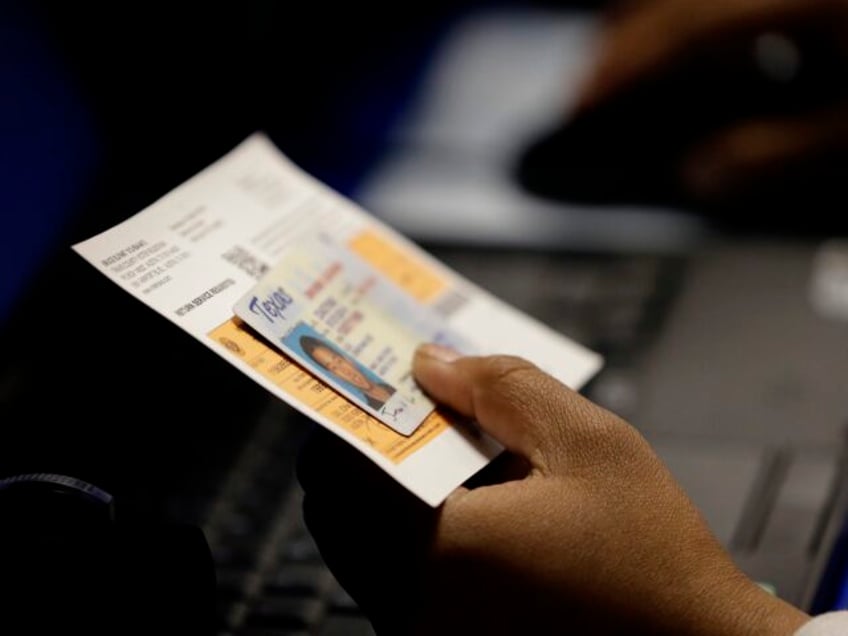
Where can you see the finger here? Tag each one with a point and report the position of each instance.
(321, 449)
(760, 152)
(362, 546)
(525, 409)
(364, 523)
(652, 37)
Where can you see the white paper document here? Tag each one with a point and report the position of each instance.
(323, 305)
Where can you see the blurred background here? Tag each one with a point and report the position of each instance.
(467, 127)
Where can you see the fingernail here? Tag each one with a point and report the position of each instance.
(438, 352)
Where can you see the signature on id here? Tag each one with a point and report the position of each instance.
(392, 413)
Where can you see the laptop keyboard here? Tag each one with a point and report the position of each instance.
(612, 303)
(271, 578)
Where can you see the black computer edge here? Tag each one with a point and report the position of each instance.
(829, 570)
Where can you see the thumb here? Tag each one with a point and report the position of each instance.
(524, 408)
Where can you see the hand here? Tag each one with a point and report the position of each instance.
(798, 149)
(587, 531)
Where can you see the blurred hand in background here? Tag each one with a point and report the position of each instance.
(796, 136)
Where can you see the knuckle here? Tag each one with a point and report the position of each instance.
(589, 435)
(509, 375)
(515, 380)
(500, 367)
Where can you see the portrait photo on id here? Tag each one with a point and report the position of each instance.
(339, 368)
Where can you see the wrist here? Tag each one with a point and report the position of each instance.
(718, 599)
(756, 611)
